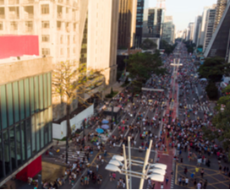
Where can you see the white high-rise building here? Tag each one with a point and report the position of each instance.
(210, 20)
(197, 24)
(203, 24)
(55, 22)
(190, 31)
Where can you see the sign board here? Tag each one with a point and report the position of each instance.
(152, 89)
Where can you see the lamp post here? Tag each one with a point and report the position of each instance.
(155, 171)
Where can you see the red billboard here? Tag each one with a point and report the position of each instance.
(13, 46)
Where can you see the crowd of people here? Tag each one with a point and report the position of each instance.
(184, 132)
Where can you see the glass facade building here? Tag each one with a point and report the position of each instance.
(25, 120)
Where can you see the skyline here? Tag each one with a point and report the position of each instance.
(181, 14)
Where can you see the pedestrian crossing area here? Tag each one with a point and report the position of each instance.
(200, 108)
(73, 156)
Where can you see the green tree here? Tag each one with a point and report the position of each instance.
(141, 65)
(213, 69)
(224, 99)
(221, 121)
(148, 44)
(212, 91)
(70, 83)
(167, 47)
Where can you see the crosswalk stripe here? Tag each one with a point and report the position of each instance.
(201, 108)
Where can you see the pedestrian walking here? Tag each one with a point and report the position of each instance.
(166, 180)
(162, 186)
(202, 173)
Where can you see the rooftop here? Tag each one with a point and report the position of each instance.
(19, 58)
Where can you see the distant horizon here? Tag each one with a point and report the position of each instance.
(185, 12)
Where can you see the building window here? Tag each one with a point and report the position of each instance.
(1, 25)
(2, 12)
(59, 25)
(13, 26)
(45, 51)
(45, 38)
(29, 26)
(45, 9)
(45, 24)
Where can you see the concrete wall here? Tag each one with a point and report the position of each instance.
(59, 130)
(15, 70)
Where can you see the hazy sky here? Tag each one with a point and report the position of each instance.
(184, 11)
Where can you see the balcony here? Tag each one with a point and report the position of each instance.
(2, 16)
(60, 1)
(59, 15)
(1, 2)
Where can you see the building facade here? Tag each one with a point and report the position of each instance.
(127, 18)
(152, 22)
(220, 7)
(209, 27)
(190, 31)
(219, 44)
(103, 17)
(168, 29)
(141, 5)
(25, 113)
(197, 26)
(55, 22)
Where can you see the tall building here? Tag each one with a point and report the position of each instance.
(141, 5)
(219, 43)
(197, 25)
(190, 31)
(127, 23)
(210, 18)
(220, 7)
(168, 29)
(25, 107)
(152, 22)
(55, 22)
(201, 35)
(103, 18)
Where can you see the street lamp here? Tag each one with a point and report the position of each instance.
(155, 171)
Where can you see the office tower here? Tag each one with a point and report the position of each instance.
(220, 7)
(25, 107)
(210, 18)
(190, 31)
(197, 26)
(127, 23)
(103, 19)
(201, 35)
(219, 43)
(141, 5)
(152, 22)
(168, 29)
